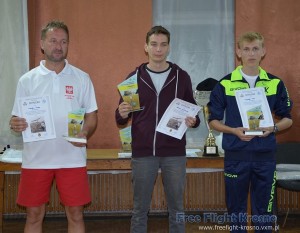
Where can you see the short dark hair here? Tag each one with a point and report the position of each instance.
(157, 30)
(54, 24)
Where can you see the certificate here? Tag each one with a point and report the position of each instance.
(38, 113)
(254, 109)
(172, 122)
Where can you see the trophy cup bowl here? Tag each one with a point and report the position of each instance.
(210, 146)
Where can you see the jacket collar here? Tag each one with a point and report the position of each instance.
(237, 76)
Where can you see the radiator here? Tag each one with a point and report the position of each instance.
(112, 195)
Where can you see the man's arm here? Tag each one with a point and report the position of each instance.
(284, 123)
(89, 125)
(88, 128)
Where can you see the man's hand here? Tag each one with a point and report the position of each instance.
(190, 121)
(81, 134)
(18, 124)
(240, 132)
(266, 131)
(124, 109)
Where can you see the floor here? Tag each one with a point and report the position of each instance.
(156, 224)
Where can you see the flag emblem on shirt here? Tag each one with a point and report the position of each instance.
(69, 90)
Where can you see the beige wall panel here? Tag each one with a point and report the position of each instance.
(106, 41)
(279, 22)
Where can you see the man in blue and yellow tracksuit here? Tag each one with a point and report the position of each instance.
(249, 162)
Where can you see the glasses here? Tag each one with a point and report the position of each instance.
(248, 51)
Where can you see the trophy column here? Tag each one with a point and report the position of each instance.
(210, 146)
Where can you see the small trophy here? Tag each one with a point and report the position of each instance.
(210, 146)
(201, 96)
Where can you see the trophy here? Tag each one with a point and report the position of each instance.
(201, 96)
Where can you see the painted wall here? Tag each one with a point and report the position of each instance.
(279, 22)
(106, 40)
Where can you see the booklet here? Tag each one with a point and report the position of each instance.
(128, 90)
(75, 122)
(254, 109)
(125, 136)
(172, 122)
(37, 111)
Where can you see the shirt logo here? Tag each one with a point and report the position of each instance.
(69, 90)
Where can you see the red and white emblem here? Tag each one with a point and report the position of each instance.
(69, 90)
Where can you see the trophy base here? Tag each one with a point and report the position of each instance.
(211, 151)
(254, 132)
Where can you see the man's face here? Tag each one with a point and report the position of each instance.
(55, 45)
(251, 53)
(157, 48)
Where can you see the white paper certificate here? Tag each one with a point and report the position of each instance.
(254, 108)
(38, 113)
(172, 122)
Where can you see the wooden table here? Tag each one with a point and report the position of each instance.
(105, 159)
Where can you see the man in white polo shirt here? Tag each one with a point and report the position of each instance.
(69, 89)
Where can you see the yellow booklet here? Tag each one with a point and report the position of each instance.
(75, 122)
(125, 136)
(128, 90)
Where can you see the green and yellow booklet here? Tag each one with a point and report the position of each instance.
(75, 122)
(128, 90)
(125, 136)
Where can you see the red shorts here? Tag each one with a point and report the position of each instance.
(72, 185)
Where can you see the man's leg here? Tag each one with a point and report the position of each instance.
(33, 193)
(75, 219)
(73, 187)
(237, 179)
(144, 173)
(34, 219)
(262, 195)
(174, 177)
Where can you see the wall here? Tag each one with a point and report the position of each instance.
(279, 22)
(106, 40)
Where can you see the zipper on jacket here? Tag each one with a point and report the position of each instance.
(156, 114)
(157, 103)
(156, 123)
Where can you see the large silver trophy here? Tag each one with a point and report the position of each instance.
(202, 97)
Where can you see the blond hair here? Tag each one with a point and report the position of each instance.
(249, 37)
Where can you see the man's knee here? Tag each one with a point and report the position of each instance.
(74, 213)
(35, 214)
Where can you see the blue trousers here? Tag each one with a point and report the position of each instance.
(144, 173)
(259, 178)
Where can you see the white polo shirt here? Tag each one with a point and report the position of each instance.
(69, 90)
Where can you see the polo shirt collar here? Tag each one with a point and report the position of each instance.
(45, 71)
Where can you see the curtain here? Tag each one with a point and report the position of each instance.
(14, 60)
(202, 43)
